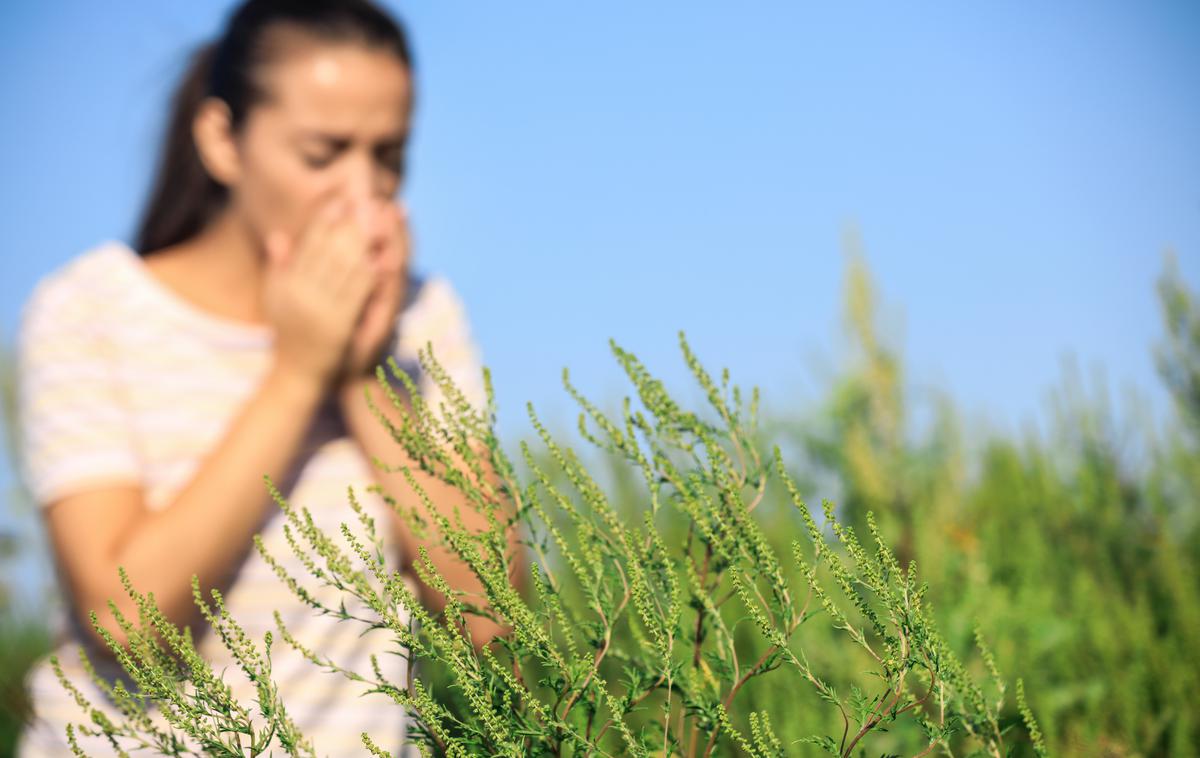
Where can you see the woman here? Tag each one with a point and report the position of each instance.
(158, 383)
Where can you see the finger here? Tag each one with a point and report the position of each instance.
(405, 235)
(405, 254)
(365, 209)
(327, 266)
(395, 254)
(356, 288)
(383, 221)
(314, 243)
(392, 253)
(312, 236)
(374, 229)
(347, 251)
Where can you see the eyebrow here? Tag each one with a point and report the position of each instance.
(341, 140)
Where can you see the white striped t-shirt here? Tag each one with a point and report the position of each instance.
(119, 379)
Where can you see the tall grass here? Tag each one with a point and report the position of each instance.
(688, 600)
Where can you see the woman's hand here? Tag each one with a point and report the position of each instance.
(390, 255)
(316, 287)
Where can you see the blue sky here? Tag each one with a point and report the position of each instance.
(1015, 172)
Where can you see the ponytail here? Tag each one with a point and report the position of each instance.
(184, 197)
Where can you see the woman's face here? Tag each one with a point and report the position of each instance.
(335, 121)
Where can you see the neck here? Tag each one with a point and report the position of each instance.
(234, 264)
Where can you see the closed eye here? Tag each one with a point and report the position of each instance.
(391, 158)
(318, 161)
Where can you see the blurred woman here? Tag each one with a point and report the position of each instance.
(236, 337)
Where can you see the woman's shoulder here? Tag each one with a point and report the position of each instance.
(431, 297)
(80, 287)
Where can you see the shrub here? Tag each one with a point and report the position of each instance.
(1076, 545)
(649, 622)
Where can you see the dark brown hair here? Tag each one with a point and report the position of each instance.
(184, 198)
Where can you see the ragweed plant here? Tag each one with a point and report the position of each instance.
(631, 637)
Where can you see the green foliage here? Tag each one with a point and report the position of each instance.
(644, 621)
(23, 641)
(683, 596)
(1078, 551)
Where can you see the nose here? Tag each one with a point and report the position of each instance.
(360, 184)
(359, 180)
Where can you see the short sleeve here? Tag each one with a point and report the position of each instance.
(74, 428)
(437, 316)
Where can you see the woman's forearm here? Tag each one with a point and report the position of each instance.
(208, 527)
(376, 441)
